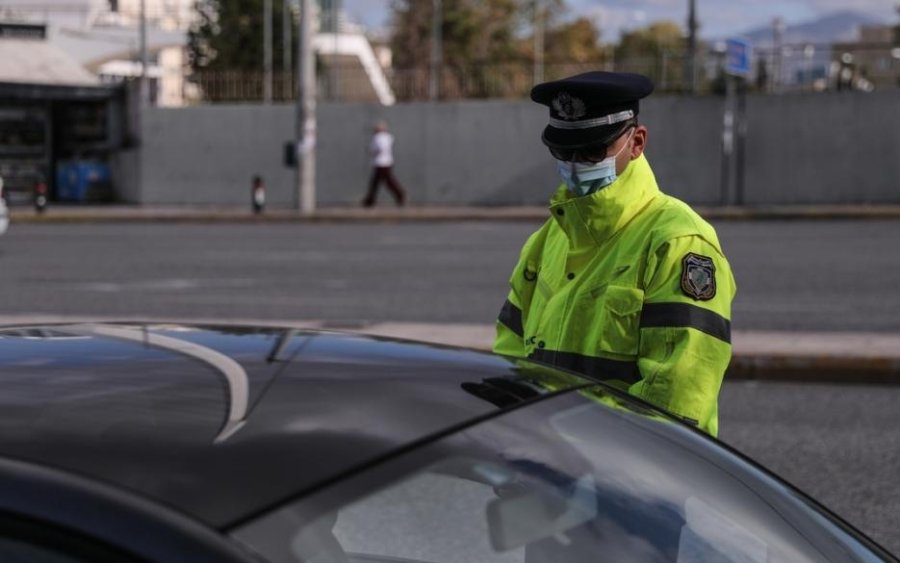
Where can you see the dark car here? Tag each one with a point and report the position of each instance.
(127, 443)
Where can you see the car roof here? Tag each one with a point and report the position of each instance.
(221, 422)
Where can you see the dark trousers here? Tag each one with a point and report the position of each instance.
(385, 174)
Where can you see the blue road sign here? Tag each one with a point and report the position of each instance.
(738, 57)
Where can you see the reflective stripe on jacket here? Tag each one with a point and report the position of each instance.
(629, 286)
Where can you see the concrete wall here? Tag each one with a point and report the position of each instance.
(814, 148)
(838, 148)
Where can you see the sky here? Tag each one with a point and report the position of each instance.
(718, 18)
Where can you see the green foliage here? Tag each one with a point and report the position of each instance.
(650, 41)
(228, 35)
(897, 27)
(488, 45)
(476, 37)
(472, 32)
(576, 41)
(658, 51)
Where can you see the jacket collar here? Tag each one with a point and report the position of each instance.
(594, 218)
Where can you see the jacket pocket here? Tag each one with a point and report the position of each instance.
(619, 319)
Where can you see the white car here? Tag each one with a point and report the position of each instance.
(4, 214)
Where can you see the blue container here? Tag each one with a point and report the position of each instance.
(82, 180)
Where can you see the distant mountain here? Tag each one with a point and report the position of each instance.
(837, 26)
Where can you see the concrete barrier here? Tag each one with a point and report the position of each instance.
(832, 148)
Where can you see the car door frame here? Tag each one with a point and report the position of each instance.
(112, 517)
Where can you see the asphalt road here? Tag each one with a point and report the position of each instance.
(792, 275)
(840, 444)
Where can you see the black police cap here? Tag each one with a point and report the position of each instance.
(589, 108)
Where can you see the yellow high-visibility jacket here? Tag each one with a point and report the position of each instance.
(629, 286)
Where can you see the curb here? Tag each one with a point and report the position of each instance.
(116, 214)
(797, 357)
(774, 356)
(815, 369)
(410, 215)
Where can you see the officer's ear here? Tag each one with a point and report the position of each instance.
(638, 141)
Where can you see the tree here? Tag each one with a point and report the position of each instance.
(472, 31)
(657, 50)
(488, 45)
(228, 35)
(897, 27)
(577, 41)
(571, 46)
(474, 35)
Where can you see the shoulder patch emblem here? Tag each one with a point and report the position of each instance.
(698, 277)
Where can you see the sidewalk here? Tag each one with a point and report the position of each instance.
(812, 357)
(230, 214)
(809, 357)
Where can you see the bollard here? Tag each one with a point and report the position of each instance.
(40, 196)
(258, 194)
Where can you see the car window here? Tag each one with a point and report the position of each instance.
(410, 521)
(709, 535)
(564, 480)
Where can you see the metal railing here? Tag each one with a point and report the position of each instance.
(793, 68)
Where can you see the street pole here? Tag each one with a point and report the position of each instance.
(267, 51)
(286, 50)
(808, 52)
(436, 51)
(306, 113)
(144, 89)
(334, 75)
(691, 61)
(740, 140)
(727, 140)
(777, 37)
(538, 41)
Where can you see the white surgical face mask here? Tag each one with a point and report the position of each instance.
(584, 178)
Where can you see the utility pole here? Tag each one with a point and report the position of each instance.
(690, 67)
(777, 37)
(286, 49)
(740, 156)
(728, 140)
(306, 113)
(334, 75)
(437, 21)
(144, 89)
(267, 51)
(538, 41)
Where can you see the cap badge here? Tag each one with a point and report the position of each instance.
(698, 277)
(569, 107)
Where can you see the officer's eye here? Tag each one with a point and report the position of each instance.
(593, 154)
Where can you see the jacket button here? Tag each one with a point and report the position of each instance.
(541, 344)
(560, 212)
(571, 276)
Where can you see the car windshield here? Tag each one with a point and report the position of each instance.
(582, 477)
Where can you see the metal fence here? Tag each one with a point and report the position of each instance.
(801, 67)
(349, 82)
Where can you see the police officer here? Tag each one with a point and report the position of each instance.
(622, 283)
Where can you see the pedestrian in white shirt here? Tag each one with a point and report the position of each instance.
(381, 151)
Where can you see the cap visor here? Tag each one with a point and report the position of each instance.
(577, 138)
